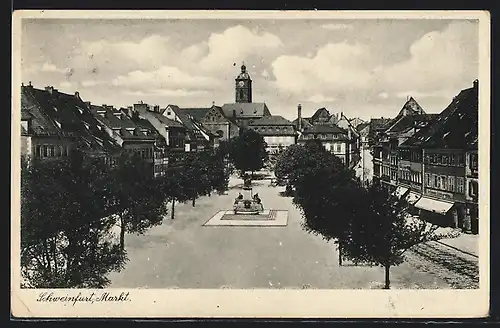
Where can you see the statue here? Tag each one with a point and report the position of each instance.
(247, 203)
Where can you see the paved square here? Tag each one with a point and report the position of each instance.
(268, 218)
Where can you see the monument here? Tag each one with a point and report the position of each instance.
(247, 202)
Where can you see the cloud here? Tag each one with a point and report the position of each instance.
(440, 59)
(319, 98)
(383, 95)
(168, 92)
(105, 56)
(334, 68)
(91, 83)
(234, 45)
(66, 85)
(443, 93)
(337, 26)
(265, 73)
(164, 77)
(48, 67)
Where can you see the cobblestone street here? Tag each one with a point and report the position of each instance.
(182, 253)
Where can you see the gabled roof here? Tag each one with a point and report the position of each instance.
(112, 117)
(305, 122)
(456, 127)
(410, 121)
(243, 110)
(147, 114)
(379, 123)
(40, 123)
(319, 112)
(195, 129)
(411, 107)
(363, 125)
(196, 113)
(271, 120)
(74, 117)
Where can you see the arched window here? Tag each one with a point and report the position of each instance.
(241, 93)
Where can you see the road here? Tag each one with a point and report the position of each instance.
(181, 253)
(460, 270)
(365, 164)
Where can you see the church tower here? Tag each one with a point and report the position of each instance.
(243, 86)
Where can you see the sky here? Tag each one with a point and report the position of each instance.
(363, 68)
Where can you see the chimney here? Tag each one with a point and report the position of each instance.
(88, 103)
(476, 84)
(77, 94)
(22, 84)
(299, 117)
(50, 89)
(29, 84)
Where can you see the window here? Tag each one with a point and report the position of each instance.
(38, 151)
(427, 180)
(453, 159)
(473, 188)
(434, 158)
(45, 151)
(460, 159)
(473, 162)
(451, 183)
(241, 94)
(444, 160)
(24, 125)
(437, 183)
(460, 185)
(444, 182)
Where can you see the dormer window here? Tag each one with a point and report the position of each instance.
(87, 126)
(58, 123)
(55, 108)
(80, 110)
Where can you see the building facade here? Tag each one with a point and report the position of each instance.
(133, 138)
(333, 138)
(54, 124)
(278, 132)
(439, 164)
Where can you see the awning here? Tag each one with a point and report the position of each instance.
(413, 197)
(433, 205)
(400, 191)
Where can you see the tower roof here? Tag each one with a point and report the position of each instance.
(243, 74)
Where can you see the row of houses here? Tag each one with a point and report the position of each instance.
(53, 123)
(432, 159)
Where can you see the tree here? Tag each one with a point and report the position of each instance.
(382, 231)
(175, 186)
(324, 192)
(65, 238)
(288, 162)
(248, 151)
(138, 202)
(197, 174)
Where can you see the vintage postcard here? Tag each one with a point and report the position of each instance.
(224, 164)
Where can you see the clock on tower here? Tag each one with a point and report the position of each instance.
(243, 86)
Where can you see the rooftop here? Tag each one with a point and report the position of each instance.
(242, 110)
(456, 127)
(272, 120)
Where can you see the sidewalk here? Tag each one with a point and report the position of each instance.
(465, 242)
